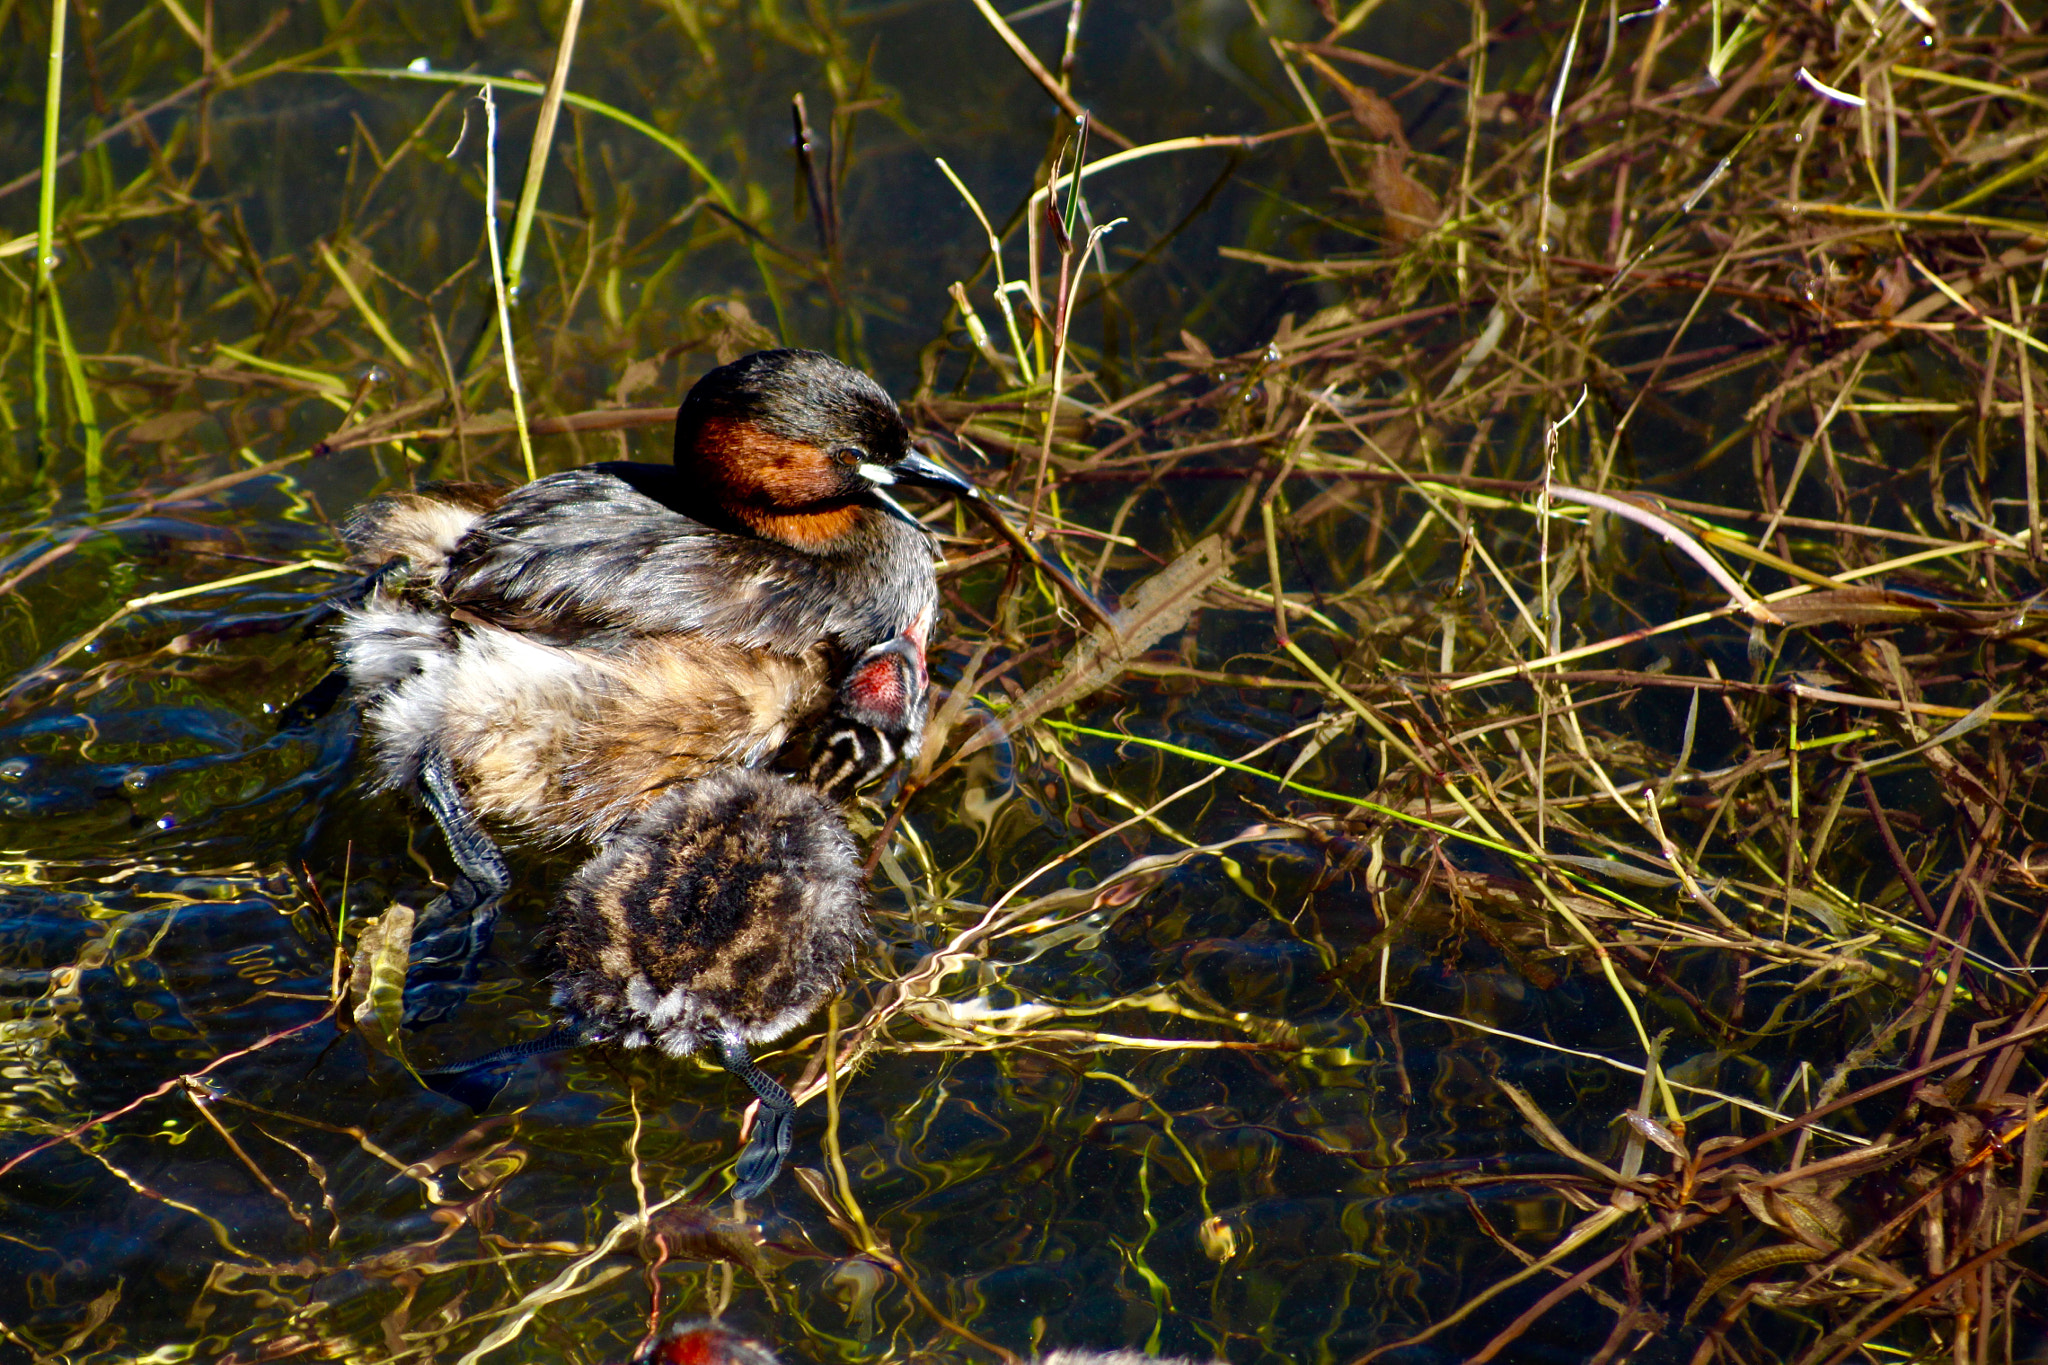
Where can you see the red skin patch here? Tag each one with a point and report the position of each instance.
(691, 1348)
(708, 1344)
(880, 686)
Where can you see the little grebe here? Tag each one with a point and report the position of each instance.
(554, 657)
(718, 918)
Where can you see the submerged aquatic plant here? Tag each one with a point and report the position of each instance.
(1504, 817)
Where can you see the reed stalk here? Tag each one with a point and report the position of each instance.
(46, 264)
(543, 142)
(498, 282)
(46, 201)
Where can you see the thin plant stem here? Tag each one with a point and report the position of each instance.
(81, 395)
(543, 142)
(498, 281)
(46, 202)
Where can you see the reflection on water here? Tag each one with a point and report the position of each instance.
(1150, 1194)
(1163, 1109)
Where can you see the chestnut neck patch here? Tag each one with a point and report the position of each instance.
(775, 487)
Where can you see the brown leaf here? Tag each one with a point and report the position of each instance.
(480, 1138)
(1656, 1132)
(1374, 114)
(637, 376)
(1813, 1220)
(734, 330)
(1195, 353)
(95, 1313)
(1879, 606)
(1734, 1268)
(1892, 288)
(166, 426)
(1410, 208)
(691, 1232)
(815, 1185)
(1547, 1133)
(1157, 607)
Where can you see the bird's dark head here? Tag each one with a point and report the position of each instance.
(796, 447)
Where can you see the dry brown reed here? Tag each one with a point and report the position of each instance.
(1633, 533)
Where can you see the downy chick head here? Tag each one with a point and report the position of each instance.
(876, 721)
(725, 913)
(795, 447)
(704, 1342)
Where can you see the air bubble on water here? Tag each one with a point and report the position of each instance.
(167, 822)
(1272, 353)
(54, 261)
(13, 770)
(419, 64)
(371, 376)
(512, 293)
(135, 779)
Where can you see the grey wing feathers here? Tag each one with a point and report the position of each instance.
(595, 549)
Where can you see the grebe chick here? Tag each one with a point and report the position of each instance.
(1074, 1356)
(876, 722)
(553, 657)
(700, 1341)
(720, 918)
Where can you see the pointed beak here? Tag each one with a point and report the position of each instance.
(896, 509)
(919, 469)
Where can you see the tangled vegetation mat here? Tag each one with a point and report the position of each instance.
(1544, 859)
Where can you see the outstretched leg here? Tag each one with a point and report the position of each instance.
(452, 934)
(762, 1161)
(477, 1082)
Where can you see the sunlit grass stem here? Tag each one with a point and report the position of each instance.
(1071, 289)
(81, 397)
(1002, 290)
(46, 202)
(543, 142)
(498, 280)
(46, 262)
(371, 317)
(674, 146)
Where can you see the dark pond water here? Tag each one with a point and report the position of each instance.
(1241, 1165)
